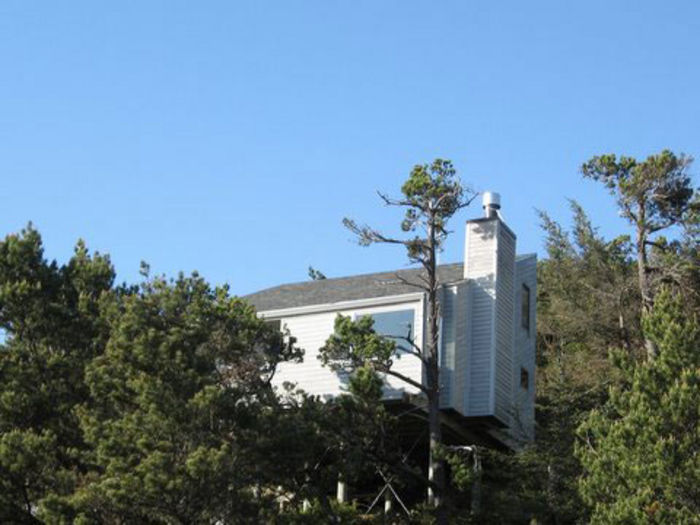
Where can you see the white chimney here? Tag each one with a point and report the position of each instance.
(489, 266)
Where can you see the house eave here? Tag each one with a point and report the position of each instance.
(342, 305)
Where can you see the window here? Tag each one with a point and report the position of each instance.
(396, 325)
(275, 324)
(525, 307)
(524, 378)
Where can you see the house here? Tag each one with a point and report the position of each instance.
(487, 331)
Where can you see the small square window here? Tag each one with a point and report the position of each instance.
(525, 308)
(275, 324)
(524, 378)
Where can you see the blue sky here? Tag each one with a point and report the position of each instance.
(232, 137)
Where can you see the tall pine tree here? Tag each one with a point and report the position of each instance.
(640, 450)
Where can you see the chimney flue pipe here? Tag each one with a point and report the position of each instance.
(491, 203)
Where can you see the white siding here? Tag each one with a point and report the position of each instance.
(483, 345)
(448, 304)
(480, 268)
(523, 425)
(490, 267)
(461, 375)
(311, 332)
(503, 369)
(313, 329)
(454, 351)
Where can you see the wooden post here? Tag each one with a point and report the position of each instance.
(388, 500)
(342, 492)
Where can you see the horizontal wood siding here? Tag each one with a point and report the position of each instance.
(505, 275)
(523, 426)
(461, 366)
(447, 345)
(312, 331)
(480, 269)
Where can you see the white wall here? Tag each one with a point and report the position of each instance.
(480, 269)
(454, 351)
(483, 345)
(523, 423)
(312, 329)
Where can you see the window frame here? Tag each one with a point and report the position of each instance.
(398, 339)
(525, 308)
(524, 378)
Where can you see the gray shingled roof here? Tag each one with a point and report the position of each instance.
(327, 291)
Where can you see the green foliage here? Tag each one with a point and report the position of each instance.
(176, 406)
(464, 466)
(587, 301)
(433, 187)
(654, 195)
(639, 450)
(657, 190)
(677, 264)
(148, 404)
(432, 194)
(153, 404)
(50, 316)
(316, 514)
(351, 435)
(316, 275)
(355, 344)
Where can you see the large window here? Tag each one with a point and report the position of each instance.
(397, 325)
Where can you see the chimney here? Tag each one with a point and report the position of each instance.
(491, 202)
(489, 265)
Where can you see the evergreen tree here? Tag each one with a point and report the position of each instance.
(640, 450)
(178, 403)
(653, 195)
(432, 194)
(50, 317)
(587, 304)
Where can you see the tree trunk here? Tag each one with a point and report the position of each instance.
(436, 475)
(624, 333)
(644, 287)
(436, 471)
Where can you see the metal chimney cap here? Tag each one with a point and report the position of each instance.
(491, 199)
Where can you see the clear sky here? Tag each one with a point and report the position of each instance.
(232, 137)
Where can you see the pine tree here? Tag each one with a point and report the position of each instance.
(640, 451)
(654, 195)
(432, 194)
(179, 402)
(50, 317)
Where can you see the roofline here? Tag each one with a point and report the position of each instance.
(489, 219)
(357, 275)
(343, 305)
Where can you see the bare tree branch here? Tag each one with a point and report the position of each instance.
(405, 379)
(410, 283)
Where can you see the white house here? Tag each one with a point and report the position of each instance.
(487, 329)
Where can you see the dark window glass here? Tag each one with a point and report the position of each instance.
(396, 325)
(524, 379)
(525, 308)
(275, 324)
